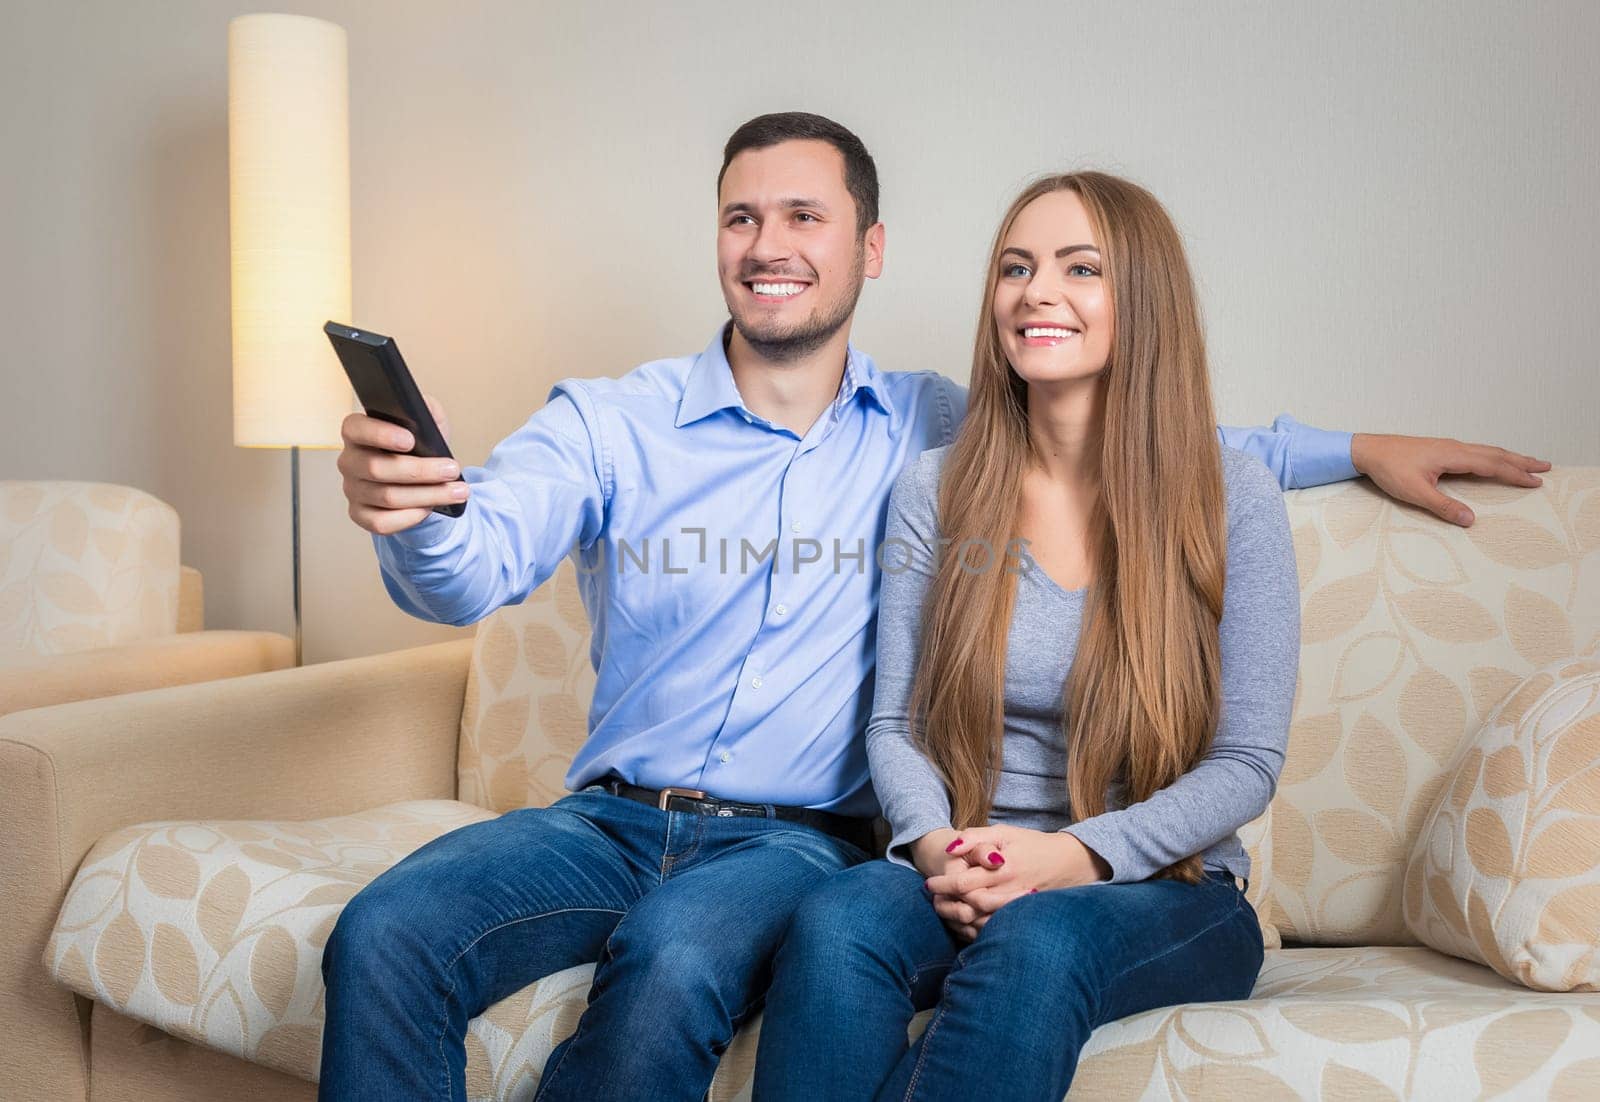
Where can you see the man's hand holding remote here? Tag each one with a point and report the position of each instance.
(388, 490)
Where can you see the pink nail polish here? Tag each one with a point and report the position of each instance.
(996, 859)
(952, 846)
(1033, 891)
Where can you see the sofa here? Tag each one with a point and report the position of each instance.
(175, 859)
(94, 602)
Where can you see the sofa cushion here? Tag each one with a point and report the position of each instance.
(1368, 1023)
(213, 931)
(1506, 871)
(1412, 630)
(83, 565)
(1401, 1022)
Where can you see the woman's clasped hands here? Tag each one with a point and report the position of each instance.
(972, 873)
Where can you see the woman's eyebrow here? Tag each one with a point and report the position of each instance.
(1061, 252)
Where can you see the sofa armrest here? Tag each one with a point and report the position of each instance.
(289, 744)
(191, 599)
(147, 664)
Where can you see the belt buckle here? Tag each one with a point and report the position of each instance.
(667, 794)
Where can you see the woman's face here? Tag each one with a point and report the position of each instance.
(1050, 303)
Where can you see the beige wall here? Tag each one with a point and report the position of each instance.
(1392, 214)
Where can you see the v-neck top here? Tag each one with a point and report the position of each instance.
(1203, 810)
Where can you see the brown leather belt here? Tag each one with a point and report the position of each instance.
(856, 830)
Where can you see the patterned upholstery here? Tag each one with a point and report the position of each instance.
(528, 696)
(83, 565)
(214, 930)
(1413, 632)
(1507, 869)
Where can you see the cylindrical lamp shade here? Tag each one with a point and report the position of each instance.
(289, 223)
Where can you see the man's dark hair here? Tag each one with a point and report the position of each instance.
(860, 174)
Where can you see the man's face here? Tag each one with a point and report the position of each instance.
(788, 255)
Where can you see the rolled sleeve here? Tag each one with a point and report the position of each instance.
(430, 533)
(1317, 456)
(1298, 455)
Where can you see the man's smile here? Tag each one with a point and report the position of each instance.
(775, 291)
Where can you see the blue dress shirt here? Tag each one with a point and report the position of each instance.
(729, 566)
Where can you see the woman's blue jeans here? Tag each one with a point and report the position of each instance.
(865, 952)
(682, 911)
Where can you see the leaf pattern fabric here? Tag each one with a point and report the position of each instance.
(1413, 632)
(83, 565)
(213, 931)
(527, 702)
(1506, 869)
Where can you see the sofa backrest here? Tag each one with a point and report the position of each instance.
(1412, 630)
(83, 565)
(528, 695)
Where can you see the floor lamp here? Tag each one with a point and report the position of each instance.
(289, 231)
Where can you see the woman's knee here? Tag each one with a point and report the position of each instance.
(1045, 935)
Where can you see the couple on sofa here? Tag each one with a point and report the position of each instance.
(1059, 657)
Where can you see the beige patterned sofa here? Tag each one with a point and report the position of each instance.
(184, 855)
(94, 602)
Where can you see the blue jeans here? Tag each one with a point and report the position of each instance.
(866, 952)
(682, 911)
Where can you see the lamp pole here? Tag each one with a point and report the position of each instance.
(294, 509)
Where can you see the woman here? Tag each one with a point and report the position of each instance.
(1065, 738)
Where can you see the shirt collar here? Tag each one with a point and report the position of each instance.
(710, 386)
(861, 376)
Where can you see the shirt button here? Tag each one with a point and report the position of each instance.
(781, 609)
(725, 758)
(755, 682)
(795, 527)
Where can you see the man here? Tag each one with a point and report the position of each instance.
(734, 663)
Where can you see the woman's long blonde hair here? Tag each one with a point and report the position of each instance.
(1143, 696)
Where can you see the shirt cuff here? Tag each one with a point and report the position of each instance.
(428, 534)
(1108, 844)
(899, 849)
(1317, 456)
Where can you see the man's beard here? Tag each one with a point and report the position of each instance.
(798, 341)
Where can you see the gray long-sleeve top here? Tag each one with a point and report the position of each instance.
(1203, 810)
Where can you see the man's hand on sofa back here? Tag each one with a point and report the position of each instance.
(1408, 469)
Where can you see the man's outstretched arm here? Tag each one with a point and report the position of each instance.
(1407, 468)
